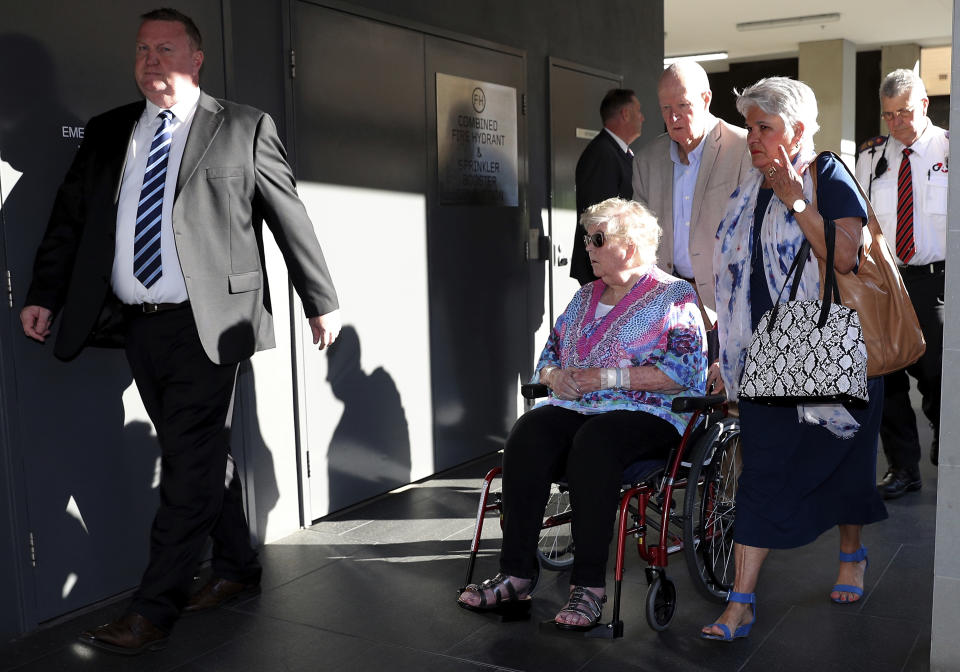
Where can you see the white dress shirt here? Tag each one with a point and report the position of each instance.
(684, 185)
(929, 167)
(170, 287)
(624, 146)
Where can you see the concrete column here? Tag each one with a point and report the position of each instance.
(899, 56)
(945, 622)
(830, 68)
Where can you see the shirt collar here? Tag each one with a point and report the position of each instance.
(920, 145)
(623, 146)
(182, 109)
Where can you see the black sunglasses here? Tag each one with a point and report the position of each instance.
(597, 239)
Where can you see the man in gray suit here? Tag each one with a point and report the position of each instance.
(154, 245)
(687, 174)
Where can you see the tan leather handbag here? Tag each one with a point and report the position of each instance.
(876, 291)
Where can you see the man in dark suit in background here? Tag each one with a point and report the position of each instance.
(605, 168)
(154, 243)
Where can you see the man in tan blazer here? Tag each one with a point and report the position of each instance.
(687, 174)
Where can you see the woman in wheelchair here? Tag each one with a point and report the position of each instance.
(807, 467)
(627, 344)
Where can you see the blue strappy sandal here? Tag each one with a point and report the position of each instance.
(743, 630)
(858, 556)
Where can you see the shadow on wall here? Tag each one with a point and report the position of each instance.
(369, 453)
(253, 456)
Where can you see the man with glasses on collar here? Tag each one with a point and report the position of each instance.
(906, 177)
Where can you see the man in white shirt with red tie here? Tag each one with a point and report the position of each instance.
(906, 177)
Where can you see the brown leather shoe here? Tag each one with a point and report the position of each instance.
(218, 592)
(129, 635)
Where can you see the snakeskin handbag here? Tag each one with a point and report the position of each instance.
(807, 351)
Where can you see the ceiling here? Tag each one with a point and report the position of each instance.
(699, 26)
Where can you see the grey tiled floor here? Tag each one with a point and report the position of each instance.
(373, 588)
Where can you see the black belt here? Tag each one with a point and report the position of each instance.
(923, 269)
(152, 308)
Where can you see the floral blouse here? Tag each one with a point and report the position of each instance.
(658, 323)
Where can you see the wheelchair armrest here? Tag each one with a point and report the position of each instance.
(690, 404)
(534, 390)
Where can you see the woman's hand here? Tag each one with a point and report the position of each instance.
(563, 384)
(787, 184)
(714, 379)
(785, 181)
(588, 380)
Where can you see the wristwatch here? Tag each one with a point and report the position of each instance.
(799, 205)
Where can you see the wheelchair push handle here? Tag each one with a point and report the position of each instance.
(690, 404)
(534, 390)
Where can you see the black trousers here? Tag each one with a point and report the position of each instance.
(190, 401)
(898, 429)
(591, 451)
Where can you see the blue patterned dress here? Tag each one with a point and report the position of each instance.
(798, 479)
(657, 323)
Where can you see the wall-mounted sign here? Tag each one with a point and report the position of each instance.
(476, 142)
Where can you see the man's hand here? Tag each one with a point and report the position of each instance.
(36, 322)
(714, 379)
(325, 328)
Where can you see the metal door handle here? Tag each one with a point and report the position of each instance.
(558, 255)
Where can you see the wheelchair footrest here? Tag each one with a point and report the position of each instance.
(613, 630)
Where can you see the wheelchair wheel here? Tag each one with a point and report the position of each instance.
(709, 510)
(661, 603)
(555, 548)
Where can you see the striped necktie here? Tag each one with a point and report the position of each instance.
(905, 243)
(147, 266)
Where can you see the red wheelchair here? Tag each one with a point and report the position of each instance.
(704, 468)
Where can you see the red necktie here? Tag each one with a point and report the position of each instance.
(905, 246)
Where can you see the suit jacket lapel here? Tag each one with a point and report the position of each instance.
(666, 170)
(206, 122)
(116, 152)
(710, 153)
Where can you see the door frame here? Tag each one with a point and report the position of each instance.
(554, 62)
(13, 480)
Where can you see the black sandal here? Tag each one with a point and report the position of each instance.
(583, 602)
(515, 601)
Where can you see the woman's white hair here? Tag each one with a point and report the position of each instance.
(629, 219)
(790, 99)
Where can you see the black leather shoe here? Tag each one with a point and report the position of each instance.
(898, 482)
(129, 635)
(219, 592)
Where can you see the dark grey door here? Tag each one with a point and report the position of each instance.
(575, 95)
(480, 317)
(359, 137)
(434, 296)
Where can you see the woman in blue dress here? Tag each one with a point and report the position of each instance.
(807, 467)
